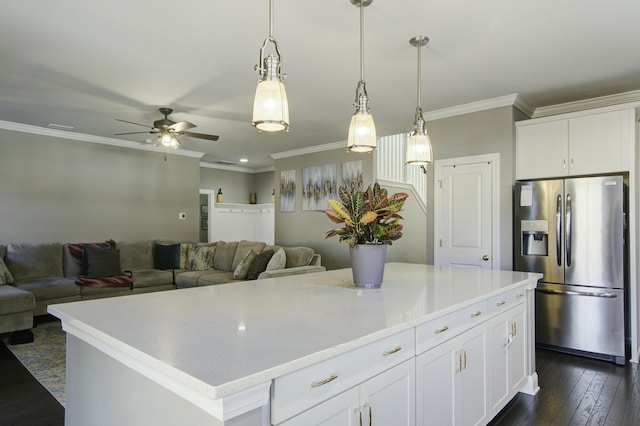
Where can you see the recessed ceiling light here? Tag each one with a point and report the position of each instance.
(244, 160)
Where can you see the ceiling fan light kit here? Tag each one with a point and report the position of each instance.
(419, 150)
(270, 106)
(362, 131)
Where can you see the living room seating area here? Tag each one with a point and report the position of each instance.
(36, 275)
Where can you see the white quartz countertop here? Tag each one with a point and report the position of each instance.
(218, 340)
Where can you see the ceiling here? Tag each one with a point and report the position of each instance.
(85, 63)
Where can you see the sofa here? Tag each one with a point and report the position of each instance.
(38, 275)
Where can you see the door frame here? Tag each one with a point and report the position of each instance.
(494, 160)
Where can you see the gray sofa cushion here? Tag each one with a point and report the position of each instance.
(28, 261)
(245, 247)
(219, 277)
(240, 273)
(151, 278)
(5, 273)
(186, 279)
(15, 300)
(50, 288)
(135, 255)
(277, 261)
(201, 258)
(298, 256)
(225, 253)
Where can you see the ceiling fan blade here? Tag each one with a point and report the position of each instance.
(134, 133)
(181, 125)
(200, 136)
(131, 122)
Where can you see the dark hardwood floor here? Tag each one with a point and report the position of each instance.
(577, 391)
(574, 391)
(23, 400)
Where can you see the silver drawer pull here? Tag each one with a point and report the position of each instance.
(475, 314)
(500, 303)
(519, 295)
(441, 330)
(392, 351)
(324, 382)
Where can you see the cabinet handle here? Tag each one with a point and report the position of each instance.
(324, 382)
(514, 326)
(367, 405)
(519, 295)
(441, 330)
(572, 163)
(564, 163)
(357, 410)
(500, 303)
(465, 360)
(392, 351)
(475, 314)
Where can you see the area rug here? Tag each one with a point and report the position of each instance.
(45, 358)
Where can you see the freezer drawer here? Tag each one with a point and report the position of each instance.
(583, 319)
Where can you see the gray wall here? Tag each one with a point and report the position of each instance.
(55, 189)
(307, 228)
(484, 132)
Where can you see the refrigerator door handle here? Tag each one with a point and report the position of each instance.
(567, 231)
(559, 230)
(578, 293)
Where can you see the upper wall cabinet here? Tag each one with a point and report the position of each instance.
(584, 143)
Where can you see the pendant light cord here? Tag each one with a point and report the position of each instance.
(270, 18)
(419, 75)
(361, 41)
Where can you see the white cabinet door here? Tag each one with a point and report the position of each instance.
(341, 410)
(452, 381)
(600, 143)
(435, 371)
(385, 399)
(470, 387)
(542, 150)
(389, 398)
(507, 356)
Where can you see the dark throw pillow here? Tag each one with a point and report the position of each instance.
(166, 256)
(102, 262)
(259, 264)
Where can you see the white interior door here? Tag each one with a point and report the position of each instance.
(464, 212)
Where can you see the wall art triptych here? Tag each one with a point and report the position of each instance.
(319, 185)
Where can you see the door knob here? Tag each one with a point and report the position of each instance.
(485, 257)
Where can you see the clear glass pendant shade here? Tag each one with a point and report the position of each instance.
(419, 151)
(270, 107)
(362, 133)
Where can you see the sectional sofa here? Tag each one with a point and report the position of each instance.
(34, 276)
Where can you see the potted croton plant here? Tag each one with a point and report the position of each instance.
(371, 223)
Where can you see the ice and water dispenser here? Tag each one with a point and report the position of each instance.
(535, 237)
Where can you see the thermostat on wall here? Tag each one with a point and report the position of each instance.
(182, 215)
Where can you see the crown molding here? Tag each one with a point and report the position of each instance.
(234, 168)
(507, 100)
(602, 101)
(83, 137)
(310, 150)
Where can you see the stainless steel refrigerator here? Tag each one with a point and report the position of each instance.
(573, 231)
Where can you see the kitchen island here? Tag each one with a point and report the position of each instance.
(304, 349)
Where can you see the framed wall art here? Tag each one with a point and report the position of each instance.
(288, 191)
(319, 185)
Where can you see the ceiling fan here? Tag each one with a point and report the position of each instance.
(167, 130)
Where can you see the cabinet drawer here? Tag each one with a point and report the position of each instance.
(436, 331)
(302, 389)
(504, 301)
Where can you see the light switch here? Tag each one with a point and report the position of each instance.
(182, 215)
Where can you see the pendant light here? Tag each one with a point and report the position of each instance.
(362, 131)
(270, 106)
(419, 151)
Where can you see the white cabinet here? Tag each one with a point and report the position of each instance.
(451, 384)
(507, 359)
(598, 141)
(386, 399)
